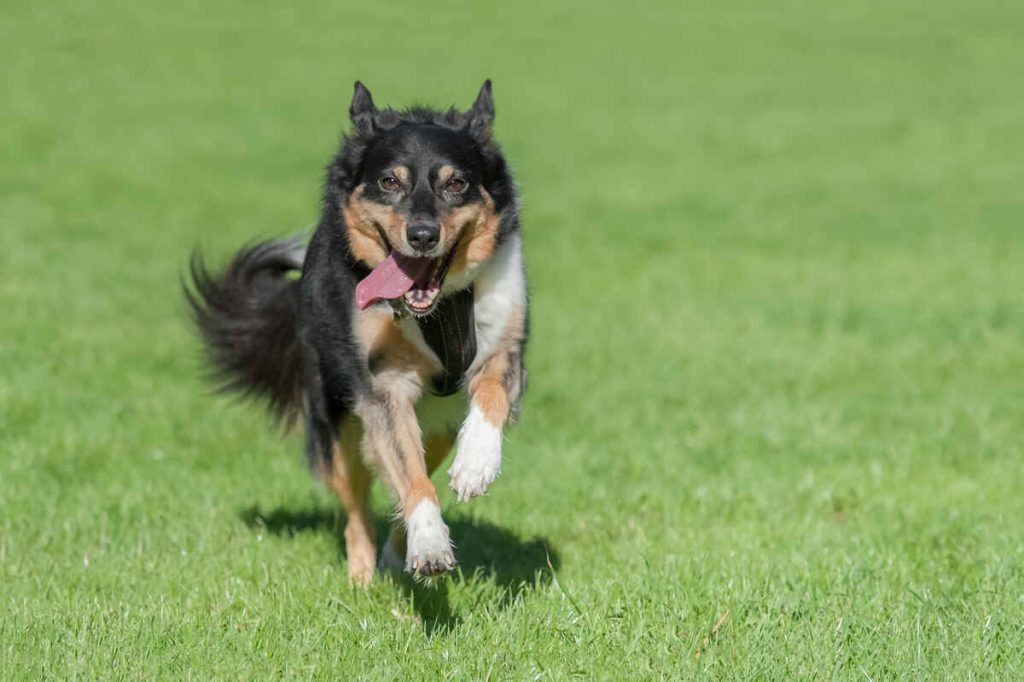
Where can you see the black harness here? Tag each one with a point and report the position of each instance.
(450, 331)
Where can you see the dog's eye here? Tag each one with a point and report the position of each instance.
(389, 184)
(455, 185)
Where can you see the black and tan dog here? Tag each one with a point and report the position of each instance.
(409, 319)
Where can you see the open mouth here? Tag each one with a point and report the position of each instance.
(415, 281)
(426, 290)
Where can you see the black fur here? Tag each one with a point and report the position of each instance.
(247, 318)
(291, 342)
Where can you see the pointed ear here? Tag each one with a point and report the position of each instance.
(481, 114)
(362, 110)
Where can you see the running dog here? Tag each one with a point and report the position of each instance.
(397, 332)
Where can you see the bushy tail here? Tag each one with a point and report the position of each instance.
(247, 318)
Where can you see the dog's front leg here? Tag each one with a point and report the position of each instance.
(494, 395)
(393, 444)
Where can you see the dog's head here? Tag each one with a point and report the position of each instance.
(418, 209)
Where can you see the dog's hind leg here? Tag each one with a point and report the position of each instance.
(349, 478)
(392, 555)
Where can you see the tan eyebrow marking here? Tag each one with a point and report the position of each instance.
(401, 172)
(445, 173)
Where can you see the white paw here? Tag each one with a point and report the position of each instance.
(429, 551)
(477, 457)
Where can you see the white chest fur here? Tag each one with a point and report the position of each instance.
(500, 293)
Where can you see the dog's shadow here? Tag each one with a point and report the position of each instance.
(485, 552)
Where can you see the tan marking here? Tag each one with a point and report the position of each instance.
(349, 478)
(362, 218)
(487, 386)
(476, 227)
(490, 396)
(401, 172)
(386, 347)
(473, 226)
(445, 174)
(419, 489)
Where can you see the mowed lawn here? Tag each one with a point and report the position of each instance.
(776, 410)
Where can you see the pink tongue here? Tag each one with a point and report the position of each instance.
(390, 279)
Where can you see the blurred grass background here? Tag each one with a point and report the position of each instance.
(775, 416)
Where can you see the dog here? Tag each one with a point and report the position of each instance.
(398, 331)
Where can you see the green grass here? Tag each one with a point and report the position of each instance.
(775, 419)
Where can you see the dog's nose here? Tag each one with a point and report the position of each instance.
(423, 236)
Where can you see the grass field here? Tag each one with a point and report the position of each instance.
(776, 415)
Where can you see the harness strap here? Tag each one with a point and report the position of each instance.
(450, 331)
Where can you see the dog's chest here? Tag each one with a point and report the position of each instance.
(470, 325)
(443, 345)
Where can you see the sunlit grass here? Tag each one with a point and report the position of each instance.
(774, 426)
